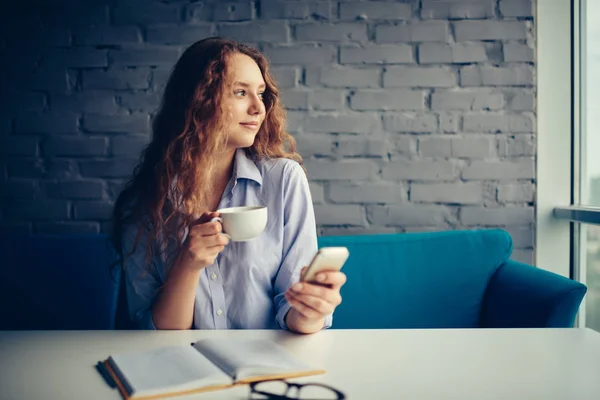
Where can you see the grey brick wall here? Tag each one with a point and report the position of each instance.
(412, 115)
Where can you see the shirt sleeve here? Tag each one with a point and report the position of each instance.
(142, 283)
(299, 238)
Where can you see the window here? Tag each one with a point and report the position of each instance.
(584, 208)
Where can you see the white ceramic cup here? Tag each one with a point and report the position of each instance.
(241, 224)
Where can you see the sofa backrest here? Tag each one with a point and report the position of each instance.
(57, 282)
(417, 280)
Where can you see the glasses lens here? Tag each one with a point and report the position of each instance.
(273, 387)
(316, 392)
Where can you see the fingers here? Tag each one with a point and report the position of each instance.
(330, 295)
(310, 306)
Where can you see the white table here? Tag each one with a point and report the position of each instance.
(384, 364)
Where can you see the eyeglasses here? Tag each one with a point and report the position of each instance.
(280, 389)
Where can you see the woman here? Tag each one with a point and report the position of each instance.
(219, 141)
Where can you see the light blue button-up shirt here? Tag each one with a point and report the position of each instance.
(244, 288)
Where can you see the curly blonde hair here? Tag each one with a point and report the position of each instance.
(188, 134)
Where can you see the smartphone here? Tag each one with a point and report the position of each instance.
(326, 259)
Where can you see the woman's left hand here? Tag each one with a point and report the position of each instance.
(315, 301)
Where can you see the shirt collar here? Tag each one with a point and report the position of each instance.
(245, 168)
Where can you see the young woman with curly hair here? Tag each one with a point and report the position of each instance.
(219, 141)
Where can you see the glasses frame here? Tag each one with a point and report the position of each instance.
(291, 385)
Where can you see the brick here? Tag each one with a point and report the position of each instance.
(177, 34)
(295, 99)
(500, 170)
(517, 52)
(317, 193)
(116, 123)
(495, 122)
(129, 146)
(465, 100)
(343, 77)
(449, 122)
(285, 9)
(146, 102)
(421, 123)
(522, 236)
(497, 216)
(92, 210)
(52, 79)
(116, 79)
(453, 193)
(285, 77)
(47, 123)
(458, 53)
(523, 256)
(435, 146)
(165, 57)
(326, 100)
(18, 146)
(15, 228)
(37, 210)
(519, 100)
(473, 147)
(375, 10)
(515, 146)
(360, 146)
(101, 102)
(18, 190)
(107, 35)
(273, 31)
(301, 54)
(521, 75)
(408, 215)
(419, 77)
(327, 32)
(388, 100)
(516, 193)
(475, 9)
(516, 8)
(75, 190)
(419, 170)
(5, 126)
(340, 214)
(42, 169)
(75, 147)
(296, 120)
(75, 14)
(145, 13)
(119, 168)
(159, 78)
(233, 11)
(75, 58)
(490, 30)
(405, 145)
(60, 228)
(367, 193)
(413, 31)
(341, 170)
(23, 102)
(314, 145)
(377, 54)
(363, 123)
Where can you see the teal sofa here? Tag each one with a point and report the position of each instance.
(453, 279)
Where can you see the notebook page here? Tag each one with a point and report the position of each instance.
(168, 368)
(242, 358)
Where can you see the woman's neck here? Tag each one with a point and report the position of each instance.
(224, 168)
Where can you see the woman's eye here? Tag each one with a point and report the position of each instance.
(261, 95)
(240, 92)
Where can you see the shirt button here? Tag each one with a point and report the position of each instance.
(213, 276)
(219, 311)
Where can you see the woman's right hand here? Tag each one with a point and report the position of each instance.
(203, 243)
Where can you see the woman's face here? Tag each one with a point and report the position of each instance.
(244, 101)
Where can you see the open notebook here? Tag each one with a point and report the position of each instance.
(209, 364)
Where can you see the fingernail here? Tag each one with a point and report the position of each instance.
(297, 287)
(321, 278)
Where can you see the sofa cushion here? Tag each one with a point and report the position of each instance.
(418, 280)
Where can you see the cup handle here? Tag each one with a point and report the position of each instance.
(215, 219)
